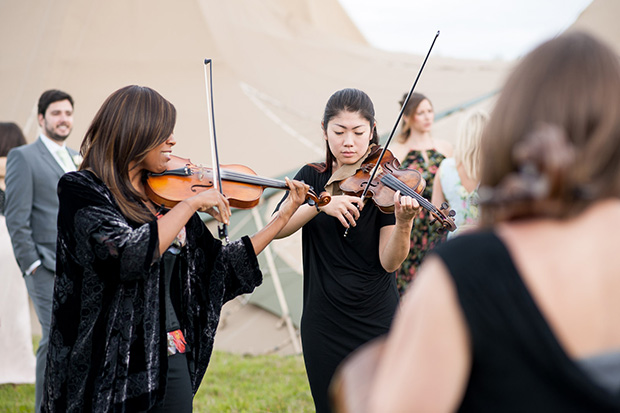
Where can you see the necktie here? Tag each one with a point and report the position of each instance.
(68, 164)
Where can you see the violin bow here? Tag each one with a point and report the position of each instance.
(400, 115)
(222, 230)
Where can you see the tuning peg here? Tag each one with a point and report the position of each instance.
(444, 206)
(432, 221)
(451, 213)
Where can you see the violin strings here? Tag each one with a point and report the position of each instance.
(249, 179)
(396, 184)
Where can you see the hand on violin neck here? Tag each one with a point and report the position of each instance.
(296, 197)
(405, 208)
(213, 203)
(345, 208)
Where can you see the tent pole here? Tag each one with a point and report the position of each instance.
(278, 286)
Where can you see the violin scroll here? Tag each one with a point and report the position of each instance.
(318, 201)
(447, 222)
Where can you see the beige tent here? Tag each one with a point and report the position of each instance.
(600, 19)
(275, 63)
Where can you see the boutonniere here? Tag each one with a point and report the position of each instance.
(77, 159)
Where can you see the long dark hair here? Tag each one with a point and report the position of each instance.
(346, 100)
(132, 121)
(564, 95)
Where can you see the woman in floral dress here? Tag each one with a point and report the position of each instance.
(416, 149)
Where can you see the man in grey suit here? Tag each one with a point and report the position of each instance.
(31, 209)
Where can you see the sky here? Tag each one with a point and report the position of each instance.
(469, 29)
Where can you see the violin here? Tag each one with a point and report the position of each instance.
(388, 179)
(240, 184)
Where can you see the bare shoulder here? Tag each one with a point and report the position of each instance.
(426, 357)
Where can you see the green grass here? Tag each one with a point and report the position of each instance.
(270, 383)
(17, 398)
(233, 383)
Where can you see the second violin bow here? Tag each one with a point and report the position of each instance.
(400, 115)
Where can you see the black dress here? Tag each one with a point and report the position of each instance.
(349, 298)
(518, 364)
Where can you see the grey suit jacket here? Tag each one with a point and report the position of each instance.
(31, 207)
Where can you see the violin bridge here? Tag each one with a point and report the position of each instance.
(378, 168)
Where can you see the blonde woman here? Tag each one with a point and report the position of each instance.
(457, 178)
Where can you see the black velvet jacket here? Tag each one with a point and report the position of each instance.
(107, 349)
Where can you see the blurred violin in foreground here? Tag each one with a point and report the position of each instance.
(388, 179)
(240, 184)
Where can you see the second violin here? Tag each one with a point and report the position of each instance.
(386, 180)
(240, 184)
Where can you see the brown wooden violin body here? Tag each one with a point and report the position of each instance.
(240, 184)
(389, 179)
(381, 195)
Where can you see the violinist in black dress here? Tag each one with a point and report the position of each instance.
(350, 294)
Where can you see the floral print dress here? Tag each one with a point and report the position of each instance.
(424, 236)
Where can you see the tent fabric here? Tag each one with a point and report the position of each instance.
(600, 19)
(275, 63)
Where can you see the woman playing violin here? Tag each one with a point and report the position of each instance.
(350, 293)
(139, 288)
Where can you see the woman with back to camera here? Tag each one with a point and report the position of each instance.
(416, 148)
(139, 288)
(456, 181)
(350, 294)
(524, 315)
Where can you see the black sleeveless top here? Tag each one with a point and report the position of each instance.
(172, 294)
(518, 364)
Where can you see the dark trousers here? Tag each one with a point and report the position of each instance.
(178, 398)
